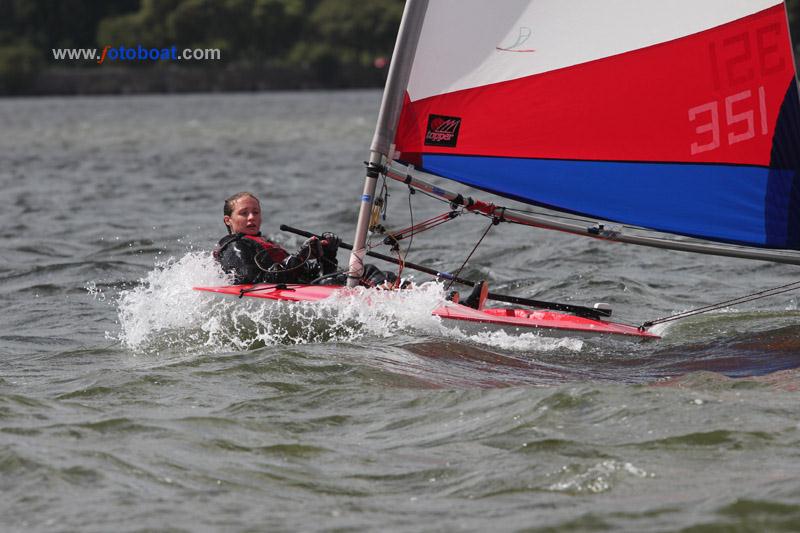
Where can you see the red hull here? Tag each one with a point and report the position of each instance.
(550, 321)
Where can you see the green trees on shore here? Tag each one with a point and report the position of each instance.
(29, 29)
(304, 39)
(319, 37)
(245, 30)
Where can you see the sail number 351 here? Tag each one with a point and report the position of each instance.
(740, 119)
(736, 62)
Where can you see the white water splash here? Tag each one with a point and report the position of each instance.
(660, 329)
(385, 313)
(597, 478)
(163, 312)
(95, 291)
(526, 342)
(165, 301)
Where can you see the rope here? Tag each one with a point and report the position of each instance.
(401, 257)
(721, 305)
(458, 273)
(385, 195)
(425, 225)
(299, 265)
(395, 241)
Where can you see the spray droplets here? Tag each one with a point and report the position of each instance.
(163, 313)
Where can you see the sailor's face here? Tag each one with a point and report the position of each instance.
(246, 216)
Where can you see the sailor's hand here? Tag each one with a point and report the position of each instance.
(330, 244)
(386, 286)
(312, 248)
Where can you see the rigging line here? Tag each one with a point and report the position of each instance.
(411, 237)
(360, 260)
(748, 297)
(379, 210)
(425, 225)
(401, 262)
(774, 291)
(360, 264)
(463, 208)
(581, 220)
(494, 222)
(385, 196)
(316, 281)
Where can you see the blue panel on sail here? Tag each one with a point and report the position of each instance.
(726, 203)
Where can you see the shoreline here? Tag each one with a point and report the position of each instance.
(169, 79)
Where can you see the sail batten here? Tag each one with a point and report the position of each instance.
(690, 125)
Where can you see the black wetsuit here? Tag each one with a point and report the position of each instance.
(254, 259)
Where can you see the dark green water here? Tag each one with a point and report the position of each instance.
(129, 402)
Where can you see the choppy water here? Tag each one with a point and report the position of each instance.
(130, 403)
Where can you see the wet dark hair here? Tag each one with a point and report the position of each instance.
(229, 203)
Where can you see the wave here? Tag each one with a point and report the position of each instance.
(162, 312)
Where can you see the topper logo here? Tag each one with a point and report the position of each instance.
(442, 130)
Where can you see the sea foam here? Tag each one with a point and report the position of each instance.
(163, 312)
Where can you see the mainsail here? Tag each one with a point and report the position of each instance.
(679, 116)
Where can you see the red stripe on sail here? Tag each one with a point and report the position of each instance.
(711, 97)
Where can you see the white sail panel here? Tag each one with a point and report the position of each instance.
(464, 45)
(674, 115)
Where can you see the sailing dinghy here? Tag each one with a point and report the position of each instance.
(680, 118)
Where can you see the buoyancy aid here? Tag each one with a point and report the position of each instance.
(275, 252)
